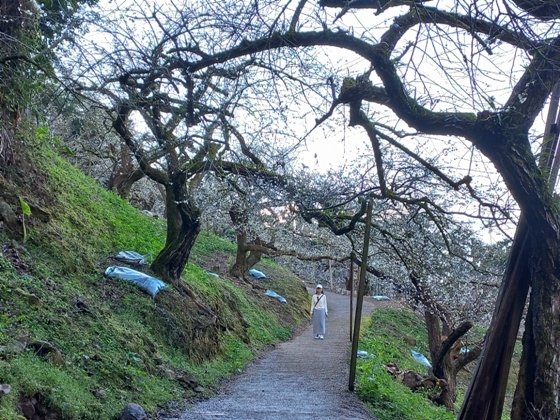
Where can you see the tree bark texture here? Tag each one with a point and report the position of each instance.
(239, 267)
(245, 256)
(239, 219)
(484, 398)
(183, 227)
(124, 175)
(445, 355)
(538, 387)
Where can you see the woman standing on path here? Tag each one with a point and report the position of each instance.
(319, 312)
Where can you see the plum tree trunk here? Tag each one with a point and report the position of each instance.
(239, 267)
(449, 393)
(245, 258)
(538, 388)
(240, 219)
(183, 227)
(124, 175)
(447, 361)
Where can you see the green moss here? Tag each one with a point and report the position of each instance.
(388, 339)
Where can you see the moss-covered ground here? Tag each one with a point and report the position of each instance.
(388, 337)
(85, 345)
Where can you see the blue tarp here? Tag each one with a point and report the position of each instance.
(212, 274)
(420, 358)
(149, 284)
(380, 297)
(131, 257)
(273, 294)
(362, 354)
(257, 274)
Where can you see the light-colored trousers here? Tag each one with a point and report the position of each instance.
(319, 321)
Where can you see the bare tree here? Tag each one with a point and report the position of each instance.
(413, 70)
(501, 133)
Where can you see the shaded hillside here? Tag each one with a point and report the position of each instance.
(77, 345)
(389, 336)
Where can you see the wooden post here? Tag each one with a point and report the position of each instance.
(331, 285)
(551, 135)
(360, 301)
(351, 287)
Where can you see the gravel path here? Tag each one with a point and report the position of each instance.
(300, 379)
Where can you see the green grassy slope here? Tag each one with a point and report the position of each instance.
(83, 345)
(388, 337)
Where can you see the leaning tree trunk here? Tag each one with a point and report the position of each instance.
(183, 226)
(538, 388)
(485, 396)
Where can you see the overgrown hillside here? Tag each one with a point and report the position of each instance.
(74, 344)
(388, 337)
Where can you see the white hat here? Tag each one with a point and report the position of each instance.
(319, 286)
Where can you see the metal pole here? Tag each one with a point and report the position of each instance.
(360, 300)
(351, 292)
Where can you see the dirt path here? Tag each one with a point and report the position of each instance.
(300, 379)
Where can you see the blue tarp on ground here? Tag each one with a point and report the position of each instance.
(257, 274)
(273, 294)
(380, 297)
(131, 257)
(362, 354)
(212, 274)
(150, 285)
(420, 358)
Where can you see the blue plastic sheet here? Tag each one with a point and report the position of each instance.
(273, 294)
(150, 285)
(131, 257)
(212, 274)
(380, 297)
(420, 358)
(362, 354)
(257, 274)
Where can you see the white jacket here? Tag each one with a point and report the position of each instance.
(321, 304)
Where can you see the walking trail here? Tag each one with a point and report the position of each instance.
(300, 379)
